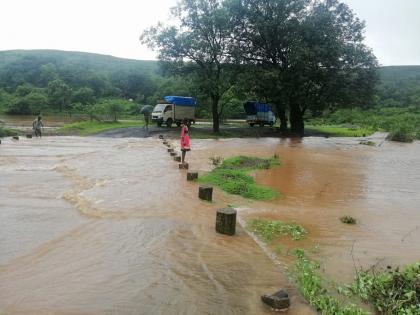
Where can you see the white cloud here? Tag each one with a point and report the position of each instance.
(114, 26)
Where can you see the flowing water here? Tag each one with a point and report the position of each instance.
(111, 226)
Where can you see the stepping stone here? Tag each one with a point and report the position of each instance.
(170, 150)
(183, 166)
(172, 153)
(226, 221)
(160, 136)
(278, 301)
(29, 136)
(192, 175)
(15, 137)
(177, 158)
(205, 193)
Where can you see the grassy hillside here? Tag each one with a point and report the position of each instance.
(101, 64)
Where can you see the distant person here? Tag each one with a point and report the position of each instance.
(185, 140)
(146, 120)
(37, 125)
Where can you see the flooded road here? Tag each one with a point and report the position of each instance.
(111, 226)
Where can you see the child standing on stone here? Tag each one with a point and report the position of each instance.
(185, 140)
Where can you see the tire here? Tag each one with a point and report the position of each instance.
(261, 124)
(178, 123)
(251, 124)
(169, 122)
(159, 123)
(271, 124)
(189, 123)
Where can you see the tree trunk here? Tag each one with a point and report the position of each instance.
(297, 125)
(215, 112)
(283, 120)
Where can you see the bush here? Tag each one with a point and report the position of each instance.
(401, 133)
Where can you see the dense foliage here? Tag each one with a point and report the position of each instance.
(41, 81)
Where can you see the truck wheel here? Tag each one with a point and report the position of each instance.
(169, 123)
(251, 124)
(159, 123)
(271, 124)
(189, 123)
(178, 123)
(261, 124)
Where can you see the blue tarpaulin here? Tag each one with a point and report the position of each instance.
(180, 100)
(252, 108)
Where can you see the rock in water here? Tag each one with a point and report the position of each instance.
(15, 137)
(160, 136)
(278, 301)
(170, 150)
(172, 153)
(29, 136)
(183, 166)
(177, 158)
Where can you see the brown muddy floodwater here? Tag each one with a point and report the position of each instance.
(111, 226)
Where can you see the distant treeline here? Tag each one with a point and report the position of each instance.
(40, 81)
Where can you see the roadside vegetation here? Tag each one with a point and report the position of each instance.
(267, 230)
(232, 176)
(85, 128)
(382, 292)
(6, 132)
(403, 124)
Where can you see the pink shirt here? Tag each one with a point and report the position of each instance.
(185, 138)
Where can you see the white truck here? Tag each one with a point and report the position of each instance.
(174, 109)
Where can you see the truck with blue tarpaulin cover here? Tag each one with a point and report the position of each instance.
(174, 109)
(259, 114)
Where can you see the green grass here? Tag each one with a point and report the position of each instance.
(403, 121)
(267, 230)
(390, 291)
(310, 285)
(232, 176)
(339, 131)
(6, 132)
(85, 128)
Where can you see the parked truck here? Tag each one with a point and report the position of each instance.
(174, 109)
(259, 114)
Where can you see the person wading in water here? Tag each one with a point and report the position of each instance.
(185, 140)
(37, 125)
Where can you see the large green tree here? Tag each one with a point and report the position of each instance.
(199, 47)
(59, 94)
(313, 49)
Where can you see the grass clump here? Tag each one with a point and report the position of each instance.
(311, 287)
(5, 132)
(401, 133)
(348, 219)
(340, 131)
(367, 142)
(390, 291)
(232, 176)
(267, 230)
(85, 128)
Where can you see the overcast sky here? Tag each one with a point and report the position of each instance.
(113, 27)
